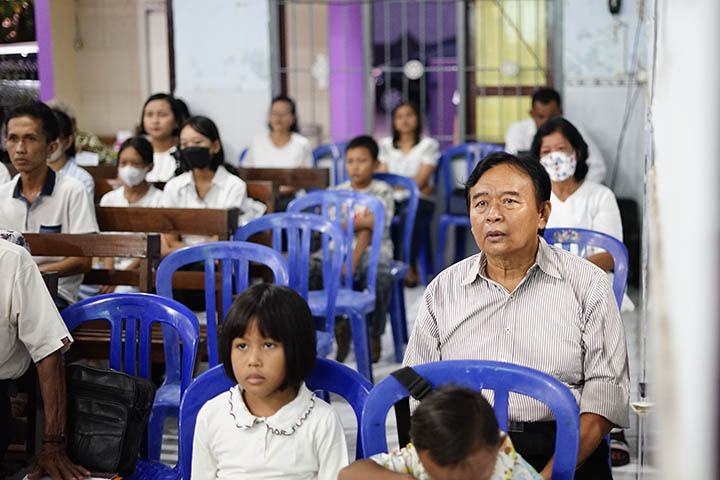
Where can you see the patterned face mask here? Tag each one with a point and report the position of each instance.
(559, 165)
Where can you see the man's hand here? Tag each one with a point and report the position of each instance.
(54, 462)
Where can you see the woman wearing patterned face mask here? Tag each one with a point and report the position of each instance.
(206, 183)
(576, 202)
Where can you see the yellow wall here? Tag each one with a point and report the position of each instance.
(64, 57)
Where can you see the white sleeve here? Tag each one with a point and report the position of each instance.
(431, 155)
(306, 159)
(81, 213)
(331, 448)
(514, 139)
(204, 463)
(596, 162)
(606, 214)
(384, 150)
(4, 174)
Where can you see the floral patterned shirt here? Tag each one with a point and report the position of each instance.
(509, 465)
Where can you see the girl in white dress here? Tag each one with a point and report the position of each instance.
(160, 121)
(270, 425)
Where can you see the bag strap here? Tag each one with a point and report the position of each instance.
(418, 387)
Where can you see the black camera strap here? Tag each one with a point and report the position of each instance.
(418, 387)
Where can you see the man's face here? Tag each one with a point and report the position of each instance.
(542, 112)
(504, 217)
(27, 145)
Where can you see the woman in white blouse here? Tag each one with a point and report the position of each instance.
(160, 121)
(410, 154)
(282, 147)
(206, 183)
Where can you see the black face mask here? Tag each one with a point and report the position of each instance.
(196, 157)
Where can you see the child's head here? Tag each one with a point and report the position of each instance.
(361, 156)
(161, 117)
(406, 119)
(456, 435)
(282, 115)
(135, 159)
(202, 134)
(268, 340)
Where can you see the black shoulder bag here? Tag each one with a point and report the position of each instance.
(418, 387)
(107, 414)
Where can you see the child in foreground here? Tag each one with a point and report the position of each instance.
(270, 425)
(455, 437)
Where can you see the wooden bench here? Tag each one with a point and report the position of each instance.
(295, 177)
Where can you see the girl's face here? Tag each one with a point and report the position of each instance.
(189, 137)
(479, 465)
(158, 119)
(555, 142)
(281, 116)
(258, 363)
(129, 157)
(405, 120)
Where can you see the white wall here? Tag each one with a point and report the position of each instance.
(222, 66)
(597, 47)
(685, 237)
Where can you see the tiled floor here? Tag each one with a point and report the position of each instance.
(387, 364)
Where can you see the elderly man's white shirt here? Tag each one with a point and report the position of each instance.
(30, 326)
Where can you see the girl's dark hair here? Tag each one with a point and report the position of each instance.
(65, 130)
(568, 130)
(174, 107)
(291, 102)
(452, 423)
(418, 128)
(207, 128)
(281, 314)
(141, 146)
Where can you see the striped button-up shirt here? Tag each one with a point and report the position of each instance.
(561, 319)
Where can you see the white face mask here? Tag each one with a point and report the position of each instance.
(132, 176)
(559, 165)
(55, 156)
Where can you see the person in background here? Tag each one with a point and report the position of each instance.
(455, 435)
(546, 104)
(206, 183)
(282, 147)
(361, 161)
(38, 200)
(160, 120)
(410, 154)
(135, 160)
(85, 141)
(62, 160)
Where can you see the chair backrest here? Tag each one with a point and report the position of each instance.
(500, 377)
(577, 240)
(298, 228)
(336, 152)
(327, 375)
(134, 314)
(234, 260)
(473, 153)
(409, 221)
(332, 205)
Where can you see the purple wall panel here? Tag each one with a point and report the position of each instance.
(43, 34)
(347, 102)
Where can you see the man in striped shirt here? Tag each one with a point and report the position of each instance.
(525, 302)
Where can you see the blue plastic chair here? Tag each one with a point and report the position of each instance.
(298, 227)
(336, 152)
(577, 240)
(473, 153)
(355, 304)
(481, 374)
(399, 268)
(234, 259)
(134, 313)
(327, 375)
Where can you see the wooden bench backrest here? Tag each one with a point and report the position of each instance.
(145, 246)
(193, 221)
(296, 177)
